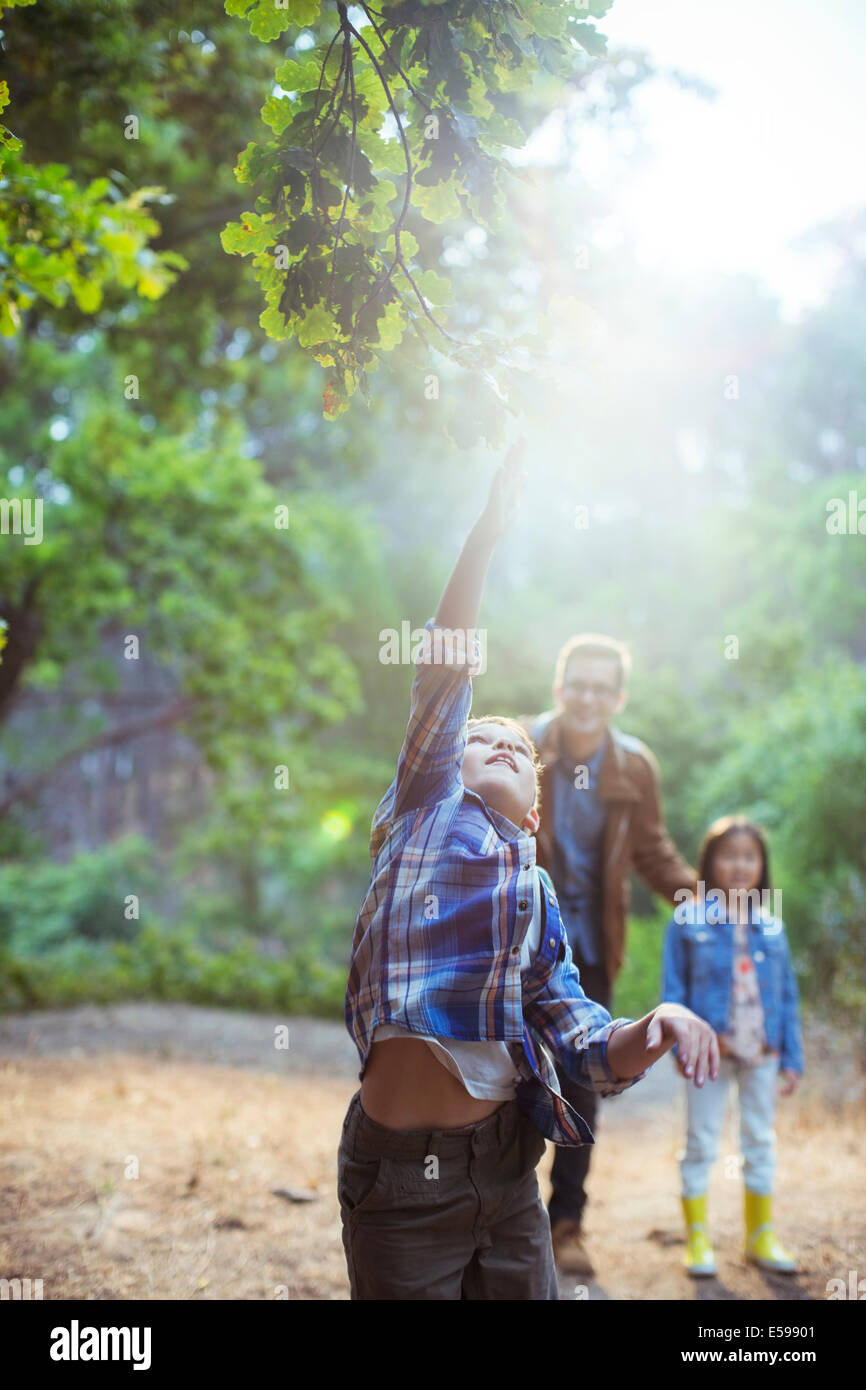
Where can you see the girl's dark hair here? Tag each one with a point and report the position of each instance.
(719, 831)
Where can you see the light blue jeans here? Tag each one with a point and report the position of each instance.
(705, 1108)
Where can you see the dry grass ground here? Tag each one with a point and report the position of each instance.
(90, 1098)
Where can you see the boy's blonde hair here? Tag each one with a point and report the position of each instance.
(518, 729)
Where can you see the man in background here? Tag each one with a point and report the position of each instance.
(601, 817)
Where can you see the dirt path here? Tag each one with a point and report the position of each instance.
(212, 1116)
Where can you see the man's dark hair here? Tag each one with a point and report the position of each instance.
(594, 644)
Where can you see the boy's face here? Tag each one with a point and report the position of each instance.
(497, 765)
(590, 694)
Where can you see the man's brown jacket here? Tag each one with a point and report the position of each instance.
(634, 835)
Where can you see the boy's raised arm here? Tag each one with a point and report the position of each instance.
(428, 768)
(461, 599)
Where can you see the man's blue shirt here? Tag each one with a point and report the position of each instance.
(578, 827)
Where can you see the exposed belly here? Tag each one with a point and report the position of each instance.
(404, 1087)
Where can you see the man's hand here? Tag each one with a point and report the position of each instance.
(508, 482)
(697, 1044)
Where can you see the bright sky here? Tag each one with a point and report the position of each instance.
(732, 182)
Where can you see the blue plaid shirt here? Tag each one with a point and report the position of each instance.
(437, 942)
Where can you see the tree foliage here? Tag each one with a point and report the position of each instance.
(60, 239)
(387, 124)
(160, 503)
(156, 438)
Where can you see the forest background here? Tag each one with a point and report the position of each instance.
(248, 473)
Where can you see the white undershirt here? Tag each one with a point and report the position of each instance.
(488, 1070)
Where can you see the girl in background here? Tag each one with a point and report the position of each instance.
(727, 959)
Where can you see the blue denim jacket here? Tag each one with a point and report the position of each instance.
(698, 967)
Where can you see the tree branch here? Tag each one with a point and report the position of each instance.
(394, 63)
(109, 738)
(422, 302)
(315, 149)
(350, 70)
(408, 192)
(24, 629)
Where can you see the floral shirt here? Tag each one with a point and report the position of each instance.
(744, 1038)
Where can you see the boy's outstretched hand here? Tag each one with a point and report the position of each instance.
(697, 1044)
(461, 600)
(633, 1047)
(502, 504)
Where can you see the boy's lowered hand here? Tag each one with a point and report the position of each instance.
(635, 1046)
(697, 1044)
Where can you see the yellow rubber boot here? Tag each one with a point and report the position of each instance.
(763, 1246)
(700, 1257)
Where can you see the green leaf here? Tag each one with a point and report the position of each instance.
(382, 154)
(589, 38)
(376, 209)
(318, 326)
(434, 287)
(438, 202)
(277, 112)
(297, 76)
(546, 20)
(267, 22)
(274, 324)
(10, 319)
(120, 243)
(504, 130)
(297, 158)
(466, 124)
(304, 11)
(88, 295)
(391, 326)
(233, 238)
(97, 189)
(408, 245)
(252, 234)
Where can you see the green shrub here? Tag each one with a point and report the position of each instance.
(43, 904)
(171, 965)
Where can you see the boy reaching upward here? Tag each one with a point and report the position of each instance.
(461, 986)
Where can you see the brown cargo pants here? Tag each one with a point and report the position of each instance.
(444, 1213)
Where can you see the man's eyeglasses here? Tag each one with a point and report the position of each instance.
(598, 692)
